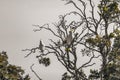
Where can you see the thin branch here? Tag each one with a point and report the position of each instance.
(33, 50)
(75, 6)
(31, 67)
(46, 28)
(87, 63)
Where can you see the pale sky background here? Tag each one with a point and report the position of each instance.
(16, 32)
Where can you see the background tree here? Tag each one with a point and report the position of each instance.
(113, 67)
(9, 71)
(97, 33)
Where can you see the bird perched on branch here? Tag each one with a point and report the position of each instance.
(69, 38)
(41, 46)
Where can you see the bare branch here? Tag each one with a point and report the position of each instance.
(33, 50)
(87, 63)
(31, 67)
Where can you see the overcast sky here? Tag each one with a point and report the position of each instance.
(16, 32)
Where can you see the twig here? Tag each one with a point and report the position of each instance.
(31, 67)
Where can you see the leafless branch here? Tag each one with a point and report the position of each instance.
(87, 63)
(33, 50)
(31, 67)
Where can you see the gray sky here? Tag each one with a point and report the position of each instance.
(16, 32)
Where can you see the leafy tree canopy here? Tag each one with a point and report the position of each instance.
(9, 71)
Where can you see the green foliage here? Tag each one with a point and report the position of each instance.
(111, 72)
(10, 72)
(45, 61)
(112, 69)
(109, 9)
(94, 74)
(111, 35)
(65, 76)
(100, 41)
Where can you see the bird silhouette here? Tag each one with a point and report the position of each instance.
(69, 38)
(41, 46)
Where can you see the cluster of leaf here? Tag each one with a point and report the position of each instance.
(99, 41)
(10, 72)
(45, 61)
(112, 69)
(65, 76)
(109, 9)
(111, 72)
(94, 74)
(102, 40)
(114, 58)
